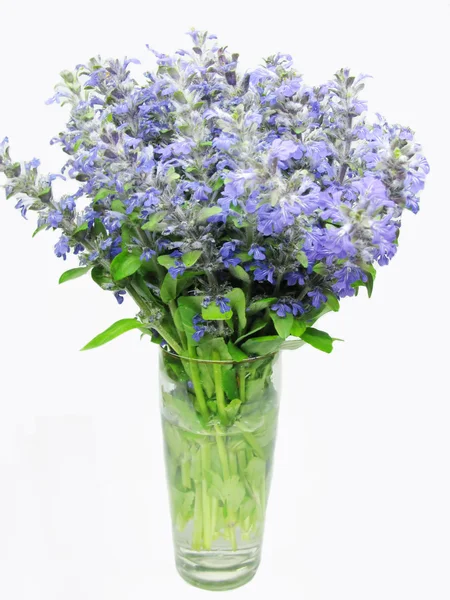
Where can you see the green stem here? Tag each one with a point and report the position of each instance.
(196, 382)
(241, 374)
(214, 510)
(249, 437)
(169, 339)
(232, 530)
(186, 474)
(133, 290)
(198, 527)
(242, 464)
(262, 496)
(206, 505)
(232, 461)
(222, 453)
(220, 396)
(176, 321)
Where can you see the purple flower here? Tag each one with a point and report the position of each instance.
(145, 161)
(68, 203)
(224, 141)
(201, 191)
(147, 254)
(227, 253)
(264, 272)
(105, 244)
(291, 87)
(54, 218)
(297, 308)
(258, 252)
(294, 278)
(253, 118)
(282, 308)
(317, 297)
(235, 187)
(23, 204)
(119, 295)
(276, 219)
(177, 269)
(199, 327)
(223, 303)
(32, 164)
(62, 247)
(283, 150)
(346, 277)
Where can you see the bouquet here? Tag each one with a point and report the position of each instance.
(235, 209)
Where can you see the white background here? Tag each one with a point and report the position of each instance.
(360, 499)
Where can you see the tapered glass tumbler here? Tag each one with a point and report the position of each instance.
(219, 422)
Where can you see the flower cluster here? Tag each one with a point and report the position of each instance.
(229, 205)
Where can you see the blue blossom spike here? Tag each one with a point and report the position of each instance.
(255, 180)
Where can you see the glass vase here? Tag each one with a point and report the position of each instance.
(219, 423)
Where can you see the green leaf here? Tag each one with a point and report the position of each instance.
(215, 345)
(236, 353)
(126, 235)
(102, 194)
(257, 325)
(256, 471)
(217, 185)
(298, 327)
(292, 344)
(188, 307)
(320, 269)
(186, 279)
(190, 258)
(371, 274)
(283, 325)
(233, 492)
(154, 221)
(229, 383)
(124, 265)
(238, 304)
(99, 229)
(302, 259)
(262, 345)
(212, 313)
(168, 289)
(319, 339)
(180, 97)
(332, 302)
(112, 332)
(118, 206)
(38, 229)
(82, 227)
(74, 273)
(232, 408)
(101, 277)
(244, 256)
(172, 175)
(167, 261)
(239, 273)
(208, 211)
(259, 305)
(254, 389)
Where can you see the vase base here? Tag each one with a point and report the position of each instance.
(218, 570)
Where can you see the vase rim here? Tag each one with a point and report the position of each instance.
(221, 362)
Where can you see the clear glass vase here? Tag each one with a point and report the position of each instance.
(219, 424)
